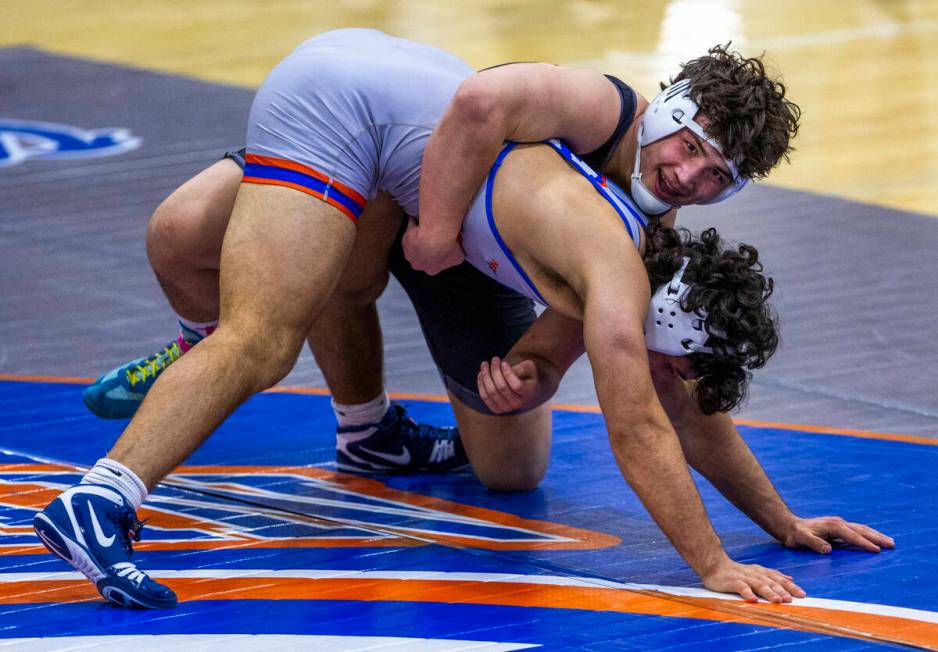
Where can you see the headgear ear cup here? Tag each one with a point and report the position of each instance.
(671, 330)
(670, 111)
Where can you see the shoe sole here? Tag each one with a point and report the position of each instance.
(101, 413)
(348, 468)
(77, 556)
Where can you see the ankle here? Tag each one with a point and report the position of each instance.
(360, 414)
(193, 332)
(115, 475)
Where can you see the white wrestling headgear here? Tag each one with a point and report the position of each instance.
(671, 330)
(672, 110)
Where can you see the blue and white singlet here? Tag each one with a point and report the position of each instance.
(487, 251)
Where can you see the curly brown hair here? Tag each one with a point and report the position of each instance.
(729, 285)
(749, 114)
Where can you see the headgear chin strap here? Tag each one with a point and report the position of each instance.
(671, 330)
(672, 110)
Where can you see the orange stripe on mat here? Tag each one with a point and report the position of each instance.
(801, 427)
(562, 407)
(73, 380)
(831, 622)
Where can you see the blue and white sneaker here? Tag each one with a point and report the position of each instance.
(118, 393)
(399, 445)
(91, 527)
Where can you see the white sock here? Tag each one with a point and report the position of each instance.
(194, 332)
(115, 475)
(357, 415)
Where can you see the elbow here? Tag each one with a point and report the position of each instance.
(641, 430)
(477, 103)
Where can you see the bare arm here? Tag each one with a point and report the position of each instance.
(530, 373)
(646, 448)
(523, 102)
(613, 286)
(589, 269)
(714, 447)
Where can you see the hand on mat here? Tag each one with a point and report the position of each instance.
(427, 252)
(505, 388)
(751, 582)
(817, 533)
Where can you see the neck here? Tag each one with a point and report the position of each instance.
(622, 161)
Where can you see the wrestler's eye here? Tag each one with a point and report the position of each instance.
(691, 147)
(719, 175)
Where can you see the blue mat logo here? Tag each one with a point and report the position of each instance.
(22, 140)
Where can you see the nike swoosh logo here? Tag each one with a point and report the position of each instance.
(103, 541)
(402, 458)
(52, 545)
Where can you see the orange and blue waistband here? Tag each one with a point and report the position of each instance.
(281, 172)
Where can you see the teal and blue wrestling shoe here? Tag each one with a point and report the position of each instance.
(118, 393)
(398, 444)
(91, 527)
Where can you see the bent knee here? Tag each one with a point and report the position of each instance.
(184, 231)
(519, 477)
(506, 470)
(508, 453)
(262, 358)
(360, 287)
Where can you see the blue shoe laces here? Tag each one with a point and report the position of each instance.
(128, 527)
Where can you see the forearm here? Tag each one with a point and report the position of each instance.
(649, 454)
(652, 463)
(553, 343)
(713, 446)
(721, 455)
(456, 160)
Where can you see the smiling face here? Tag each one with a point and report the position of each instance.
(683, 169)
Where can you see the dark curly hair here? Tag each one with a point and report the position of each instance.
(729, 285)
(749, 114)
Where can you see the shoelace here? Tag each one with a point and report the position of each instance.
(129, 571)
(423, 430)
(432, 432)
(154, 364)
(128, 527)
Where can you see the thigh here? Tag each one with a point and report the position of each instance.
(366, 274)
(508, 452)
(212, 192)
(282, 257)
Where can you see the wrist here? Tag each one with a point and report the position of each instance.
(710, 562)
(785, 529)
(438, 232)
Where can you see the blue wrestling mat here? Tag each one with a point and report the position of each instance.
(269, 547)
